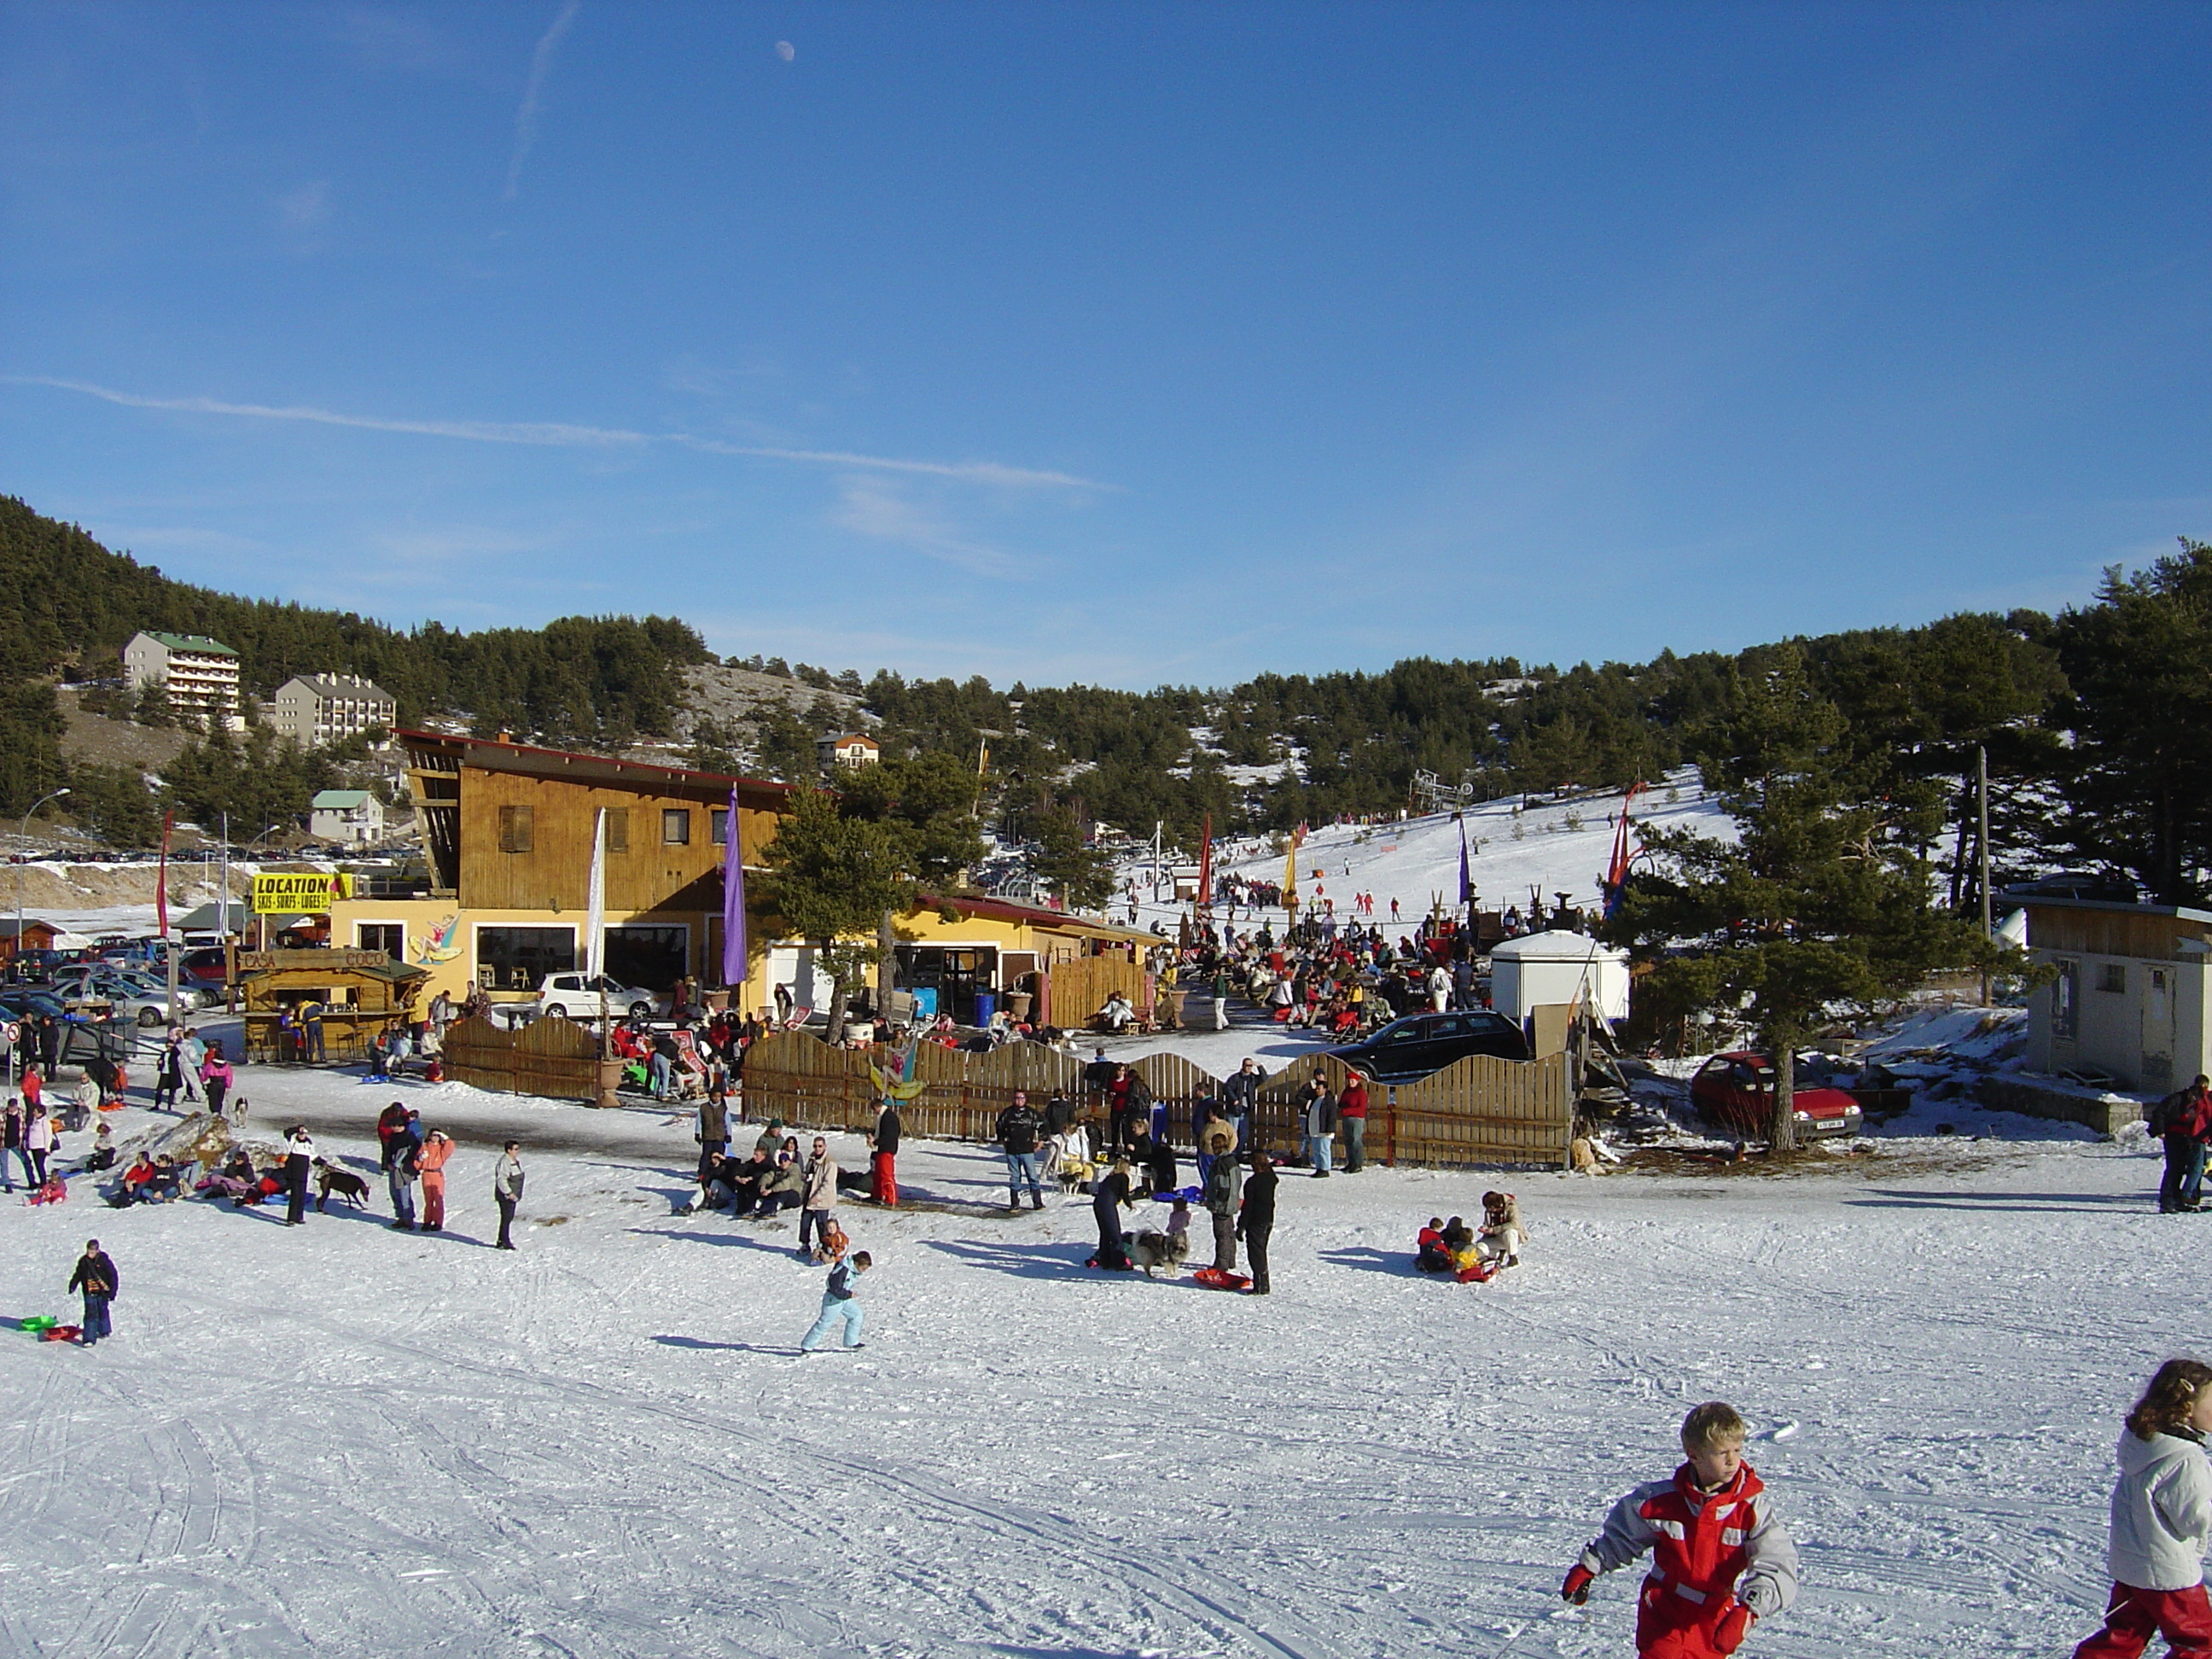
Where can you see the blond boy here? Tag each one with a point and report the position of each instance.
(1720, 1560)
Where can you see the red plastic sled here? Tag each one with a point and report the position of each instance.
(1214, 1280)
(61, 1333)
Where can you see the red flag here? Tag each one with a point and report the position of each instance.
(1206, 862)
(162, 880)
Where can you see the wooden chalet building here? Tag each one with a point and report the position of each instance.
(507, 828)
(508, 833)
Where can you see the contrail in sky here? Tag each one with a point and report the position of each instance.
(560, 434)
(541, 65)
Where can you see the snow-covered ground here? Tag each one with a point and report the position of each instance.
(1560, 848)
(348, 1440)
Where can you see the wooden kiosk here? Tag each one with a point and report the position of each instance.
(362, 992)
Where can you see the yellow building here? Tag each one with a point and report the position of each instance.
(508, 832)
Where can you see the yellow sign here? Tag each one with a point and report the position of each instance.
(297, 894)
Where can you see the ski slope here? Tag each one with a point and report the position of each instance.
(1416, 860)
(348, 1441)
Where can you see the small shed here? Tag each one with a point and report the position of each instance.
(36, 935)
(1555, 968)
(2129, 1000)
(362, 992)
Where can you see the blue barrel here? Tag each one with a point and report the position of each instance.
(987, 1004)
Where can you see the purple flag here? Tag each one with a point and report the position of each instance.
(733, 901)
(1465, 879)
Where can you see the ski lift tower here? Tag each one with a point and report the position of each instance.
(1435, 795)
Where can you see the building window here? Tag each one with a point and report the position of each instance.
(719, 816)
(518, 959)
(619, 828)
(514, 827)
(2113, 976)
(389, 937)
(676, 826)
(2066, 1002)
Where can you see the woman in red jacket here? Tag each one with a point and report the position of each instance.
(1352, 1118)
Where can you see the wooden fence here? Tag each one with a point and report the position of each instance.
(810, 1084)
(1081, 986)
(1479, 1110)
(555, 1058)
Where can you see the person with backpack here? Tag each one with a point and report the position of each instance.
(2183, 1121)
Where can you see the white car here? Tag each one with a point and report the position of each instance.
(580, 996)
(132, 996)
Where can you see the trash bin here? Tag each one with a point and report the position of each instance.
(987, 1004)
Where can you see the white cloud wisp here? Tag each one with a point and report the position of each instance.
(563, 434)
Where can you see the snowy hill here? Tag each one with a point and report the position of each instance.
(1555, 848)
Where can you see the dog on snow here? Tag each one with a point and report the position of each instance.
(1150, 1249)
(346, 1185)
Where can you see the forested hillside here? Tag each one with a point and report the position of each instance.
(2092, 719)
(603, 679)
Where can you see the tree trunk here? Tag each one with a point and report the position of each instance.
(840, 989)
(1782, 1048)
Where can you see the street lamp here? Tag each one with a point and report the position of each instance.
(23, 833)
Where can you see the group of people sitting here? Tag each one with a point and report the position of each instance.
(1473, 1255)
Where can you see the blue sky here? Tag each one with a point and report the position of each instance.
(1125, 344)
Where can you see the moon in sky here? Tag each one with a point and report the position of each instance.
(786, 51)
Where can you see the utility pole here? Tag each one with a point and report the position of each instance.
(1982, 783)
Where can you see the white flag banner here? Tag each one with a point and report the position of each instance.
(595, 918)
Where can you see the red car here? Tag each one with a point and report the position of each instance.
(1736, 1091)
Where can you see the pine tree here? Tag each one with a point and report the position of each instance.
(1822, 902)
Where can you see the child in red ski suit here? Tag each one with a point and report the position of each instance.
(1720, 1560)
(2162, 1517)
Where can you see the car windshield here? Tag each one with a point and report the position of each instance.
(1810, 1073)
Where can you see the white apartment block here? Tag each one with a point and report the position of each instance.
(200, 675)
(313, 710)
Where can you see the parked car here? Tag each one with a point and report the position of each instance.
(208, 965)
(1418, 1044)
(134, 996)
(580, 996)
(1736, 1093)
(19, 1001)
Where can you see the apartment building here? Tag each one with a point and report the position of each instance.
(200, 675)
(313, 710)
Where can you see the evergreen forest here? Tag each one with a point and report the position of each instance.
(2091, 720)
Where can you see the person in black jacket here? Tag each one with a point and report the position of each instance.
(1256, 1219)
(1240, 1093)
(1019, 1130)
(96, 1277)
(883, 1166)
(1108, 1197)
